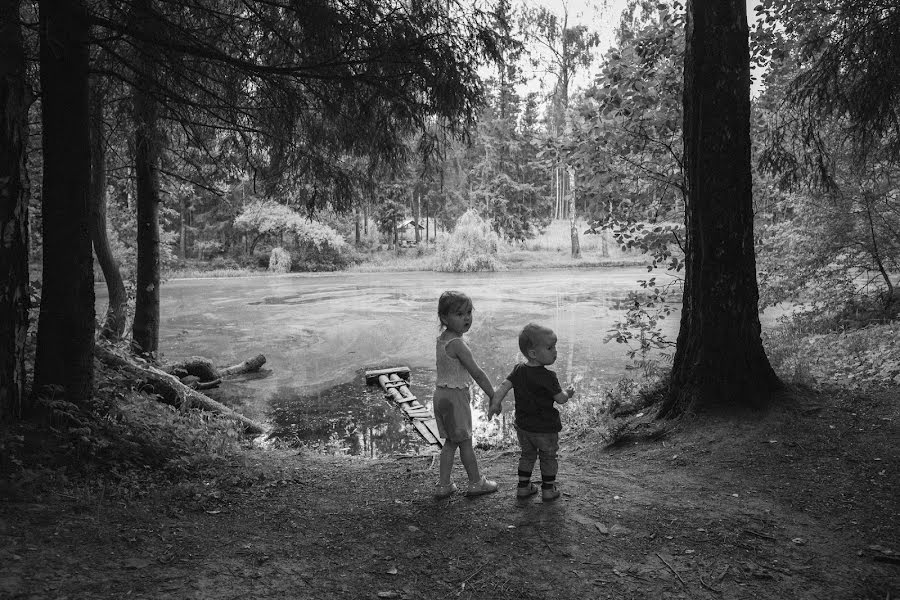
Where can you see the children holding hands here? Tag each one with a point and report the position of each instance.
(537, 421)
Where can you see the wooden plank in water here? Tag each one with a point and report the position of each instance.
(428, 431)
(372, 376)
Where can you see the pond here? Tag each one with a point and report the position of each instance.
(321, 332)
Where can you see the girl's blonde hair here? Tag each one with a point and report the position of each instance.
(449, 301)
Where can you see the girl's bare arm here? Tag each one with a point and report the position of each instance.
(461, 351)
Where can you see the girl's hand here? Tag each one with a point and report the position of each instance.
(495, 408)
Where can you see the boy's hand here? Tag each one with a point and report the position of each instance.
(570, 391)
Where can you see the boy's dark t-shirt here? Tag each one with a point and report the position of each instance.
(534, 388)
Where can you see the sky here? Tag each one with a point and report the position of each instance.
(602, 16)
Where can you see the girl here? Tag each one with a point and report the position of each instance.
(455, 370)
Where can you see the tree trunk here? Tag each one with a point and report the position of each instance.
(145, 331)
(719, 359)
(114, 322)
(13, 213)
(356, 224)
(182, 234)
(396, 236)
(65, 340)
(417, 204)
(573, 229)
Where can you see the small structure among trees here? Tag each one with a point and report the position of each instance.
(409, 233)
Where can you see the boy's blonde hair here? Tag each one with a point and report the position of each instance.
(530, 336)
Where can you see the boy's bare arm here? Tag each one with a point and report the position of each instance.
(563, 397)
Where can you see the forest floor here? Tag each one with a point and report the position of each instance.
(798, 502)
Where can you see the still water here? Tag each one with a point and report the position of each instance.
(321, 332)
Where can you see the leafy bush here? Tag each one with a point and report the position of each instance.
(472, 246)
(280, 260)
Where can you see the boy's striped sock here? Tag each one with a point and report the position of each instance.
(524, 479)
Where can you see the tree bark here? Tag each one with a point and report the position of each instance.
(719, 359)
(65, 340)
(14, 188)
(145, 330)
(114, 322)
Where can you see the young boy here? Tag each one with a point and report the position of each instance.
(536, 390)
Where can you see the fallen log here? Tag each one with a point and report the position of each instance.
(251, 365)
(203, 369)
(171, 390)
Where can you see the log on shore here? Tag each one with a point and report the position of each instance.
(203, 369)
(251, 365)
(171, 390)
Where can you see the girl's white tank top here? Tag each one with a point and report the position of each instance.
(450, 372)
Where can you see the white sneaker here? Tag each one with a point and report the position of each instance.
(484, 486)
(444, 491)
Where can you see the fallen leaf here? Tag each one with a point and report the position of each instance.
(799, 541)
(392, 571)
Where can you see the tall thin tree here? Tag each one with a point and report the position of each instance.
(113, 325)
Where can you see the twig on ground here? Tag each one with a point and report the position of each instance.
(671, 569)
(477, 571)
(722, 576)
(709, 587)
(765, 536)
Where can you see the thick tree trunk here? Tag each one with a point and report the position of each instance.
(719, 359)
(114, 322)
(145, 330)
(13, 213)
(65, 340)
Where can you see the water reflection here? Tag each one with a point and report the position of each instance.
(350, 418)
(319, 333)
(355, 419)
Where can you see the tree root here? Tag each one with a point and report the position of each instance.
(169, 388)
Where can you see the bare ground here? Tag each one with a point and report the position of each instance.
(801, 502)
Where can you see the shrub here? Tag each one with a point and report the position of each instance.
(280, 260)
(472, 246)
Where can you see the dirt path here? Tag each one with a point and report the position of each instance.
(801, 503)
